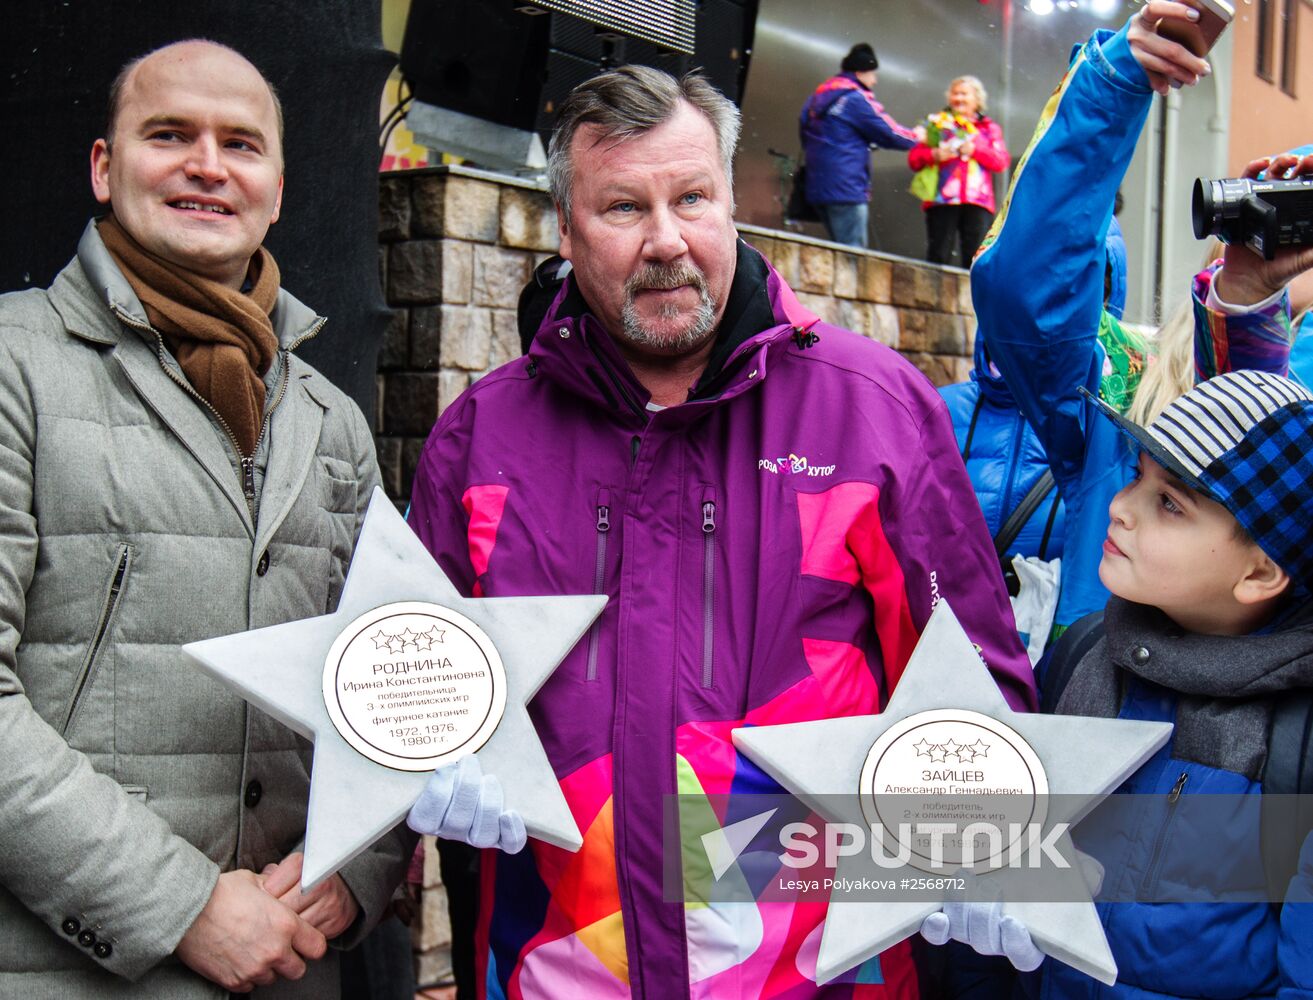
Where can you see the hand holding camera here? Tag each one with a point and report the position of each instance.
(1266, 222)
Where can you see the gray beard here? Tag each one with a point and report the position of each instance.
(699, 328)
(697, 331)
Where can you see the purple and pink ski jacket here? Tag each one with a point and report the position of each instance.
(771, 550)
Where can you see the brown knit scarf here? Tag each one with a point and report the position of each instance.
(223, 338)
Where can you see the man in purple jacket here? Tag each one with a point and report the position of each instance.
(773, 506)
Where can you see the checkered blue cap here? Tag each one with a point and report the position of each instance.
(1245, 439)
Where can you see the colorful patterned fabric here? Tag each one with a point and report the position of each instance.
(1260, 340)
(1124, 355)
(839, 512)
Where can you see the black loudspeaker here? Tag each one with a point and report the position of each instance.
(513, 64)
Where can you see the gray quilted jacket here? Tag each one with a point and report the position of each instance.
(129, 780)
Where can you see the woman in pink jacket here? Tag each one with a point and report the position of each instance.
(955, 172)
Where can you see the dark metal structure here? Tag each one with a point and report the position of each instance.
(327, 61)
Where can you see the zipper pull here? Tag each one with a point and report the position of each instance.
(603, 518)
(708, 516)
(1175, 793)
(248, 479)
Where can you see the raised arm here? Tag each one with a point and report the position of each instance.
(1038, 283)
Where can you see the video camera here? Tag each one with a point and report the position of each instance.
(1264, 215)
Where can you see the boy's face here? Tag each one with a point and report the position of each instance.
(1175, 549)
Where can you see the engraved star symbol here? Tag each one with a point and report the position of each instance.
(408, 639)
(440, 633)
(979, 748)
(353, 800)
(936, 754)
(922, 748)
(395, 644)
(1083, 759)
(424, 640)
(381, 639)
(966, 754)
(951, 748)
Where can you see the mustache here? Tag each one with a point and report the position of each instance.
(666, 276)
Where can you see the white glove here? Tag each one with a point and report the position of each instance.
(983, 927)
(461, 803)
(986, 930)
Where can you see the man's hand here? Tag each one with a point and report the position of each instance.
(1168, 63)
(1245, 277)
(329, 907)
(245, 938)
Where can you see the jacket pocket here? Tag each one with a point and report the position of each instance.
(603, 511)
(138, 792)
(1150, 880)
(87, 672)
(338, 493)
(708, 513)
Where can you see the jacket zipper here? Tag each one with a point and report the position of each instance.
(87, 672)
(1155, 859)
(708, 584)
(247, 464)
(599, 576)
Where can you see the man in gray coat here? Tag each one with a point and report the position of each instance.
(169, 471)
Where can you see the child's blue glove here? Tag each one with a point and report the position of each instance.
(983, 927)
(461, 803)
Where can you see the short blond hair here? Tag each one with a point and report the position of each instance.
(982, 96)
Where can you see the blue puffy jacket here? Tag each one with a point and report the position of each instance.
(839, 124)
(1004, 458)
(1003, 454)
(1038, 290)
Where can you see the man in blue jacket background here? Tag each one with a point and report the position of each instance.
(839, 124)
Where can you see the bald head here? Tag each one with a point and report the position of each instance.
(185, 50)
(193, 163)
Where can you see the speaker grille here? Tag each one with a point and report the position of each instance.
(665, 22)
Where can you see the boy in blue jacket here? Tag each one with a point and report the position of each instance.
(1209, 558)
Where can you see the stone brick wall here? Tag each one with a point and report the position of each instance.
(457, 245)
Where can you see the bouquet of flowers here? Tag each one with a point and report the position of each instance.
(940, 128)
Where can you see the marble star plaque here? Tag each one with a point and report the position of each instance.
(407, 675)
(947, 722)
